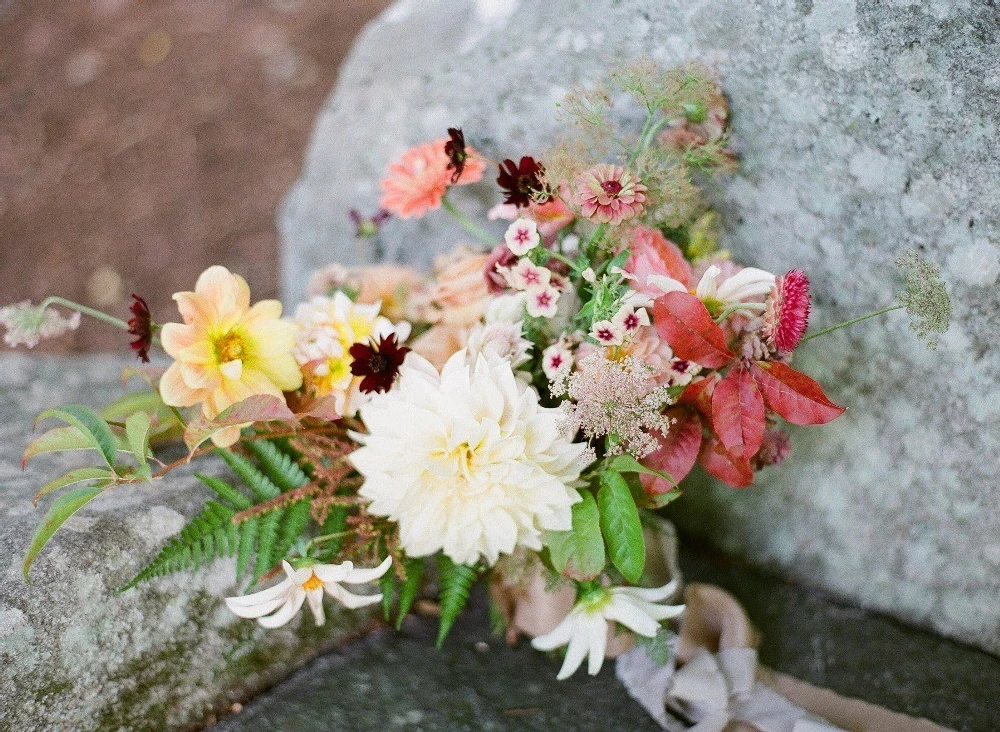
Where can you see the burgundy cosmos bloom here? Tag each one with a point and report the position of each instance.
(455, 150)
(140, 327)
(378, 363)
(522, 182)
(787, 314)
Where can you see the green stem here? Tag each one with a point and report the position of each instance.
(326, 537)
(468, 224)
(846, 323)
(84, 310)
(562, 258)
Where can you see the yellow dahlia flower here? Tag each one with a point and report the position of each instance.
(226, 350)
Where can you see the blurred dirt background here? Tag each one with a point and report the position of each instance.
(143, 140)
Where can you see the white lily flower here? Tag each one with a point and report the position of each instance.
(276, 605)
(585, 629)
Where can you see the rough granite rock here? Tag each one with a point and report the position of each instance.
(74, 654)
(864, 128)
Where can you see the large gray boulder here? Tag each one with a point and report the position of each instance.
(865, 128)
(77, 656)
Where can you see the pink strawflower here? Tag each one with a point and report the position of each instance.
(417, 182)
(609, 194)
(787, 314)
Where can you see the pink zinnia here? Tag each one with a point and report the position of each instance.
(787, 314)
(417, 182)
(609, 194)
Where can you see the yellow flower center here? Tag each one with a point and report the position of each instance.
(229, 348)
(313, 583)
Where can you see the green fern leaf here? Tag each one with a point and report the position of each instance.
(408, 593)
(225, 491)
(293, 523)
(267, 540)
(261, 486)
(247, 539)
(456, 582)
(277, 465)
(335, 522)
(196, 544)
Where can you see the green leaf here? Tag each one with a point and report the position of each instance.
(63, 507)
(225, 491)
(456, 582)
(248, 539)
(279, 467)
(408, 593)
(579, 552)
(59, 439)
(294, 521)
(262, 486)
(137, 431)
(80, 475)
(387, 586)
(267, 540)
(89, 423)
(621, 526)
(628, 464)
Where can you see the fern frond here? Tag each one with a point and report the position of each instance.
(206, 537)
(295, 520)
(408, 592)
(267, 540)
(261, 486)
(248, 539)
(277, 465)
(456, 582)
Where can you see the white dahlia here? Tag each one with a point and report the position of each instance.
(466, 461)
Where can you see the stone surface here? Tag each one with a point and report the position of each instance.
(399, 681)
(865, 128)
(74, 654)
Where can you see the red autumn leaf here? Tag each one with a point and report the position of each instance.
(677, 452)
(683, 321)
(731, 469)
(738, 412)
(793, 395)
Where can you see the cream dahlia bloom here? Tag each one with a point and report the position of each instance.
(586, 628)
(226, 350)
(466, 461)
(276, 605)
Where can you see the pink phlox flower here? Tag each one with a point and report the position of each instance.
(522, 236)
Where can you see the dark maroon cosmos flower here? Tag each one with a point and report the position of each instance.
(522, 182)
(455, 150)
(378, 363)
(366, 227)
(140, 327)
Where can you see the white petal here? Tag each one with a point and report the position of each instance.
(333, 572)
(358, 576)
(558, 636)
(623, 611)
(286, 613)
(652, 594)
(256, 611)
(747, 283)
(263, 597)
(579, 644)
(665, 284)
(598, 632)
(707, 284)
(349, 599)
(315, 598)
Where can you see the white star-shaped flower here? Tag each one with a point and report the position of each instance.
(585, 629)
(276, 605)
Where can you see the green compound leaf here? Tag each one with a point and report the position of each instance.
(63, 507)
(579, 552)
(621, 526)
(408, 592)
(96, 431)
(456, 582)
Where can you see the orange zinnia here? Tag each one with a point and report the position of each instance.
(417, 182)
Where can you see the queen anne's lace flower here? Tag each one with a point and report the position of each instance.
(466, 461)
(28, 324)
(585, 629)
(276, 605)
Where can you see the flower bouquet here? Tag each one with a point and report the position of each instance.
(519, 414)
